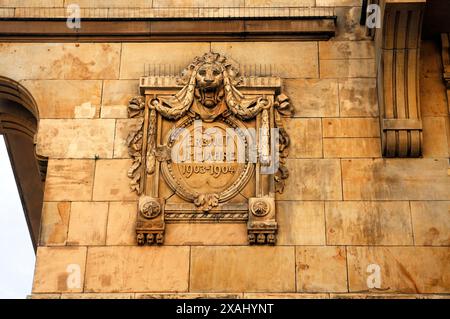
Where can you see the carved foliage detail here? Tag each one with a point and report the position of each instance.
(283, 108)
(134, 141)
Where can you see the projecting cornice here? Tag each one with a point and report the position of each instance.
(168, 24)
(398, 47)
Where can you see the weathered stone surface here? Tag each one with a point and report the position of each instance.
(313, 180)
(68, 61)
(358, 97)
(403, 269)
(31, 3)
(54, 265)
(435, 142)
(60, 98)
(196, 3)
(86, 111)
(351, 127)
(116, 95)
(430, 59)
(237, 269)
(69, 180)
(303, 96)
(206, 234)
(395, 179)
(87, 224)
(98, 296)
(388, 296)
(287, 55)
(76, 138)
(329, 50)
(300, 223)
(433, 97)
(285, 296)
(112, 4)
(114, 112)
(308, 133)
(337, 3)
(54, 223)
(368, 223)
(353, 68)
(137, 269)
(188, 296)
(121, 223)
(279, 3)
(44, 296)
(123, 129)
(431, 223)
(351, 147)
(111, 181)
(321, 269)
(348, 27)
(135, 55)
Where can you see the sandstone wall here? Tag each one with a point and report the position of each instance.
(344, 206)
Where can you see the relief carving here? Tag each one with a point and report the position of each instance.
(201, 141)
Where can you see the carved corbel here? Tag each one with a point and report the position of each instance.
(398, 47)
(262, 224)
(445, 39)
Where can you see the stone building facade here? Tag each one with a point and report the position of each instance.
(365, 210)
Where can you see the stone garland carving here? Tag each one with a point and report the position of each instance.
(134, 142)
(209, 92)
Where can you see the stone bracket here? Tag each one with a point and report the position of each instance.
(262, 226)
(398, 47)
(150, 224)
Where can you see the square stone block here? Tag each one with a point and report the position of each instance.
(117, 93)
(348, 27)
(122, 223)
(76, 138)
(329, 50)
(137, 269)
(303, 95)
(60, 98)
(111, 181)
(242, 269)
(431, 223)
(321, 269)
(54, 223)
(309, 132)
(59, 269)
(351, 147)
(60, 61)
(354, 68)
(206, 234)
(395, 179)
(318, 179)
(285, 56)
(300, 223)
(162, 55)
(435, 139)
(351, 127)
(69, 180)
(368, 223)
(358, 97)
(402, 269)
(87, 223)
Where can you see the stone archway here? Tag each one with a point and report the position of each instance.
(19, 119)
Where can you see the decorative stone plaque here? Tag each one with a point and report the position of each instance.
(208, 147)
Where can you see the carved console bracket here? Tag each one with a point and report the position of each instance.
(208, 146)
(445, 39)
(398, 46)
